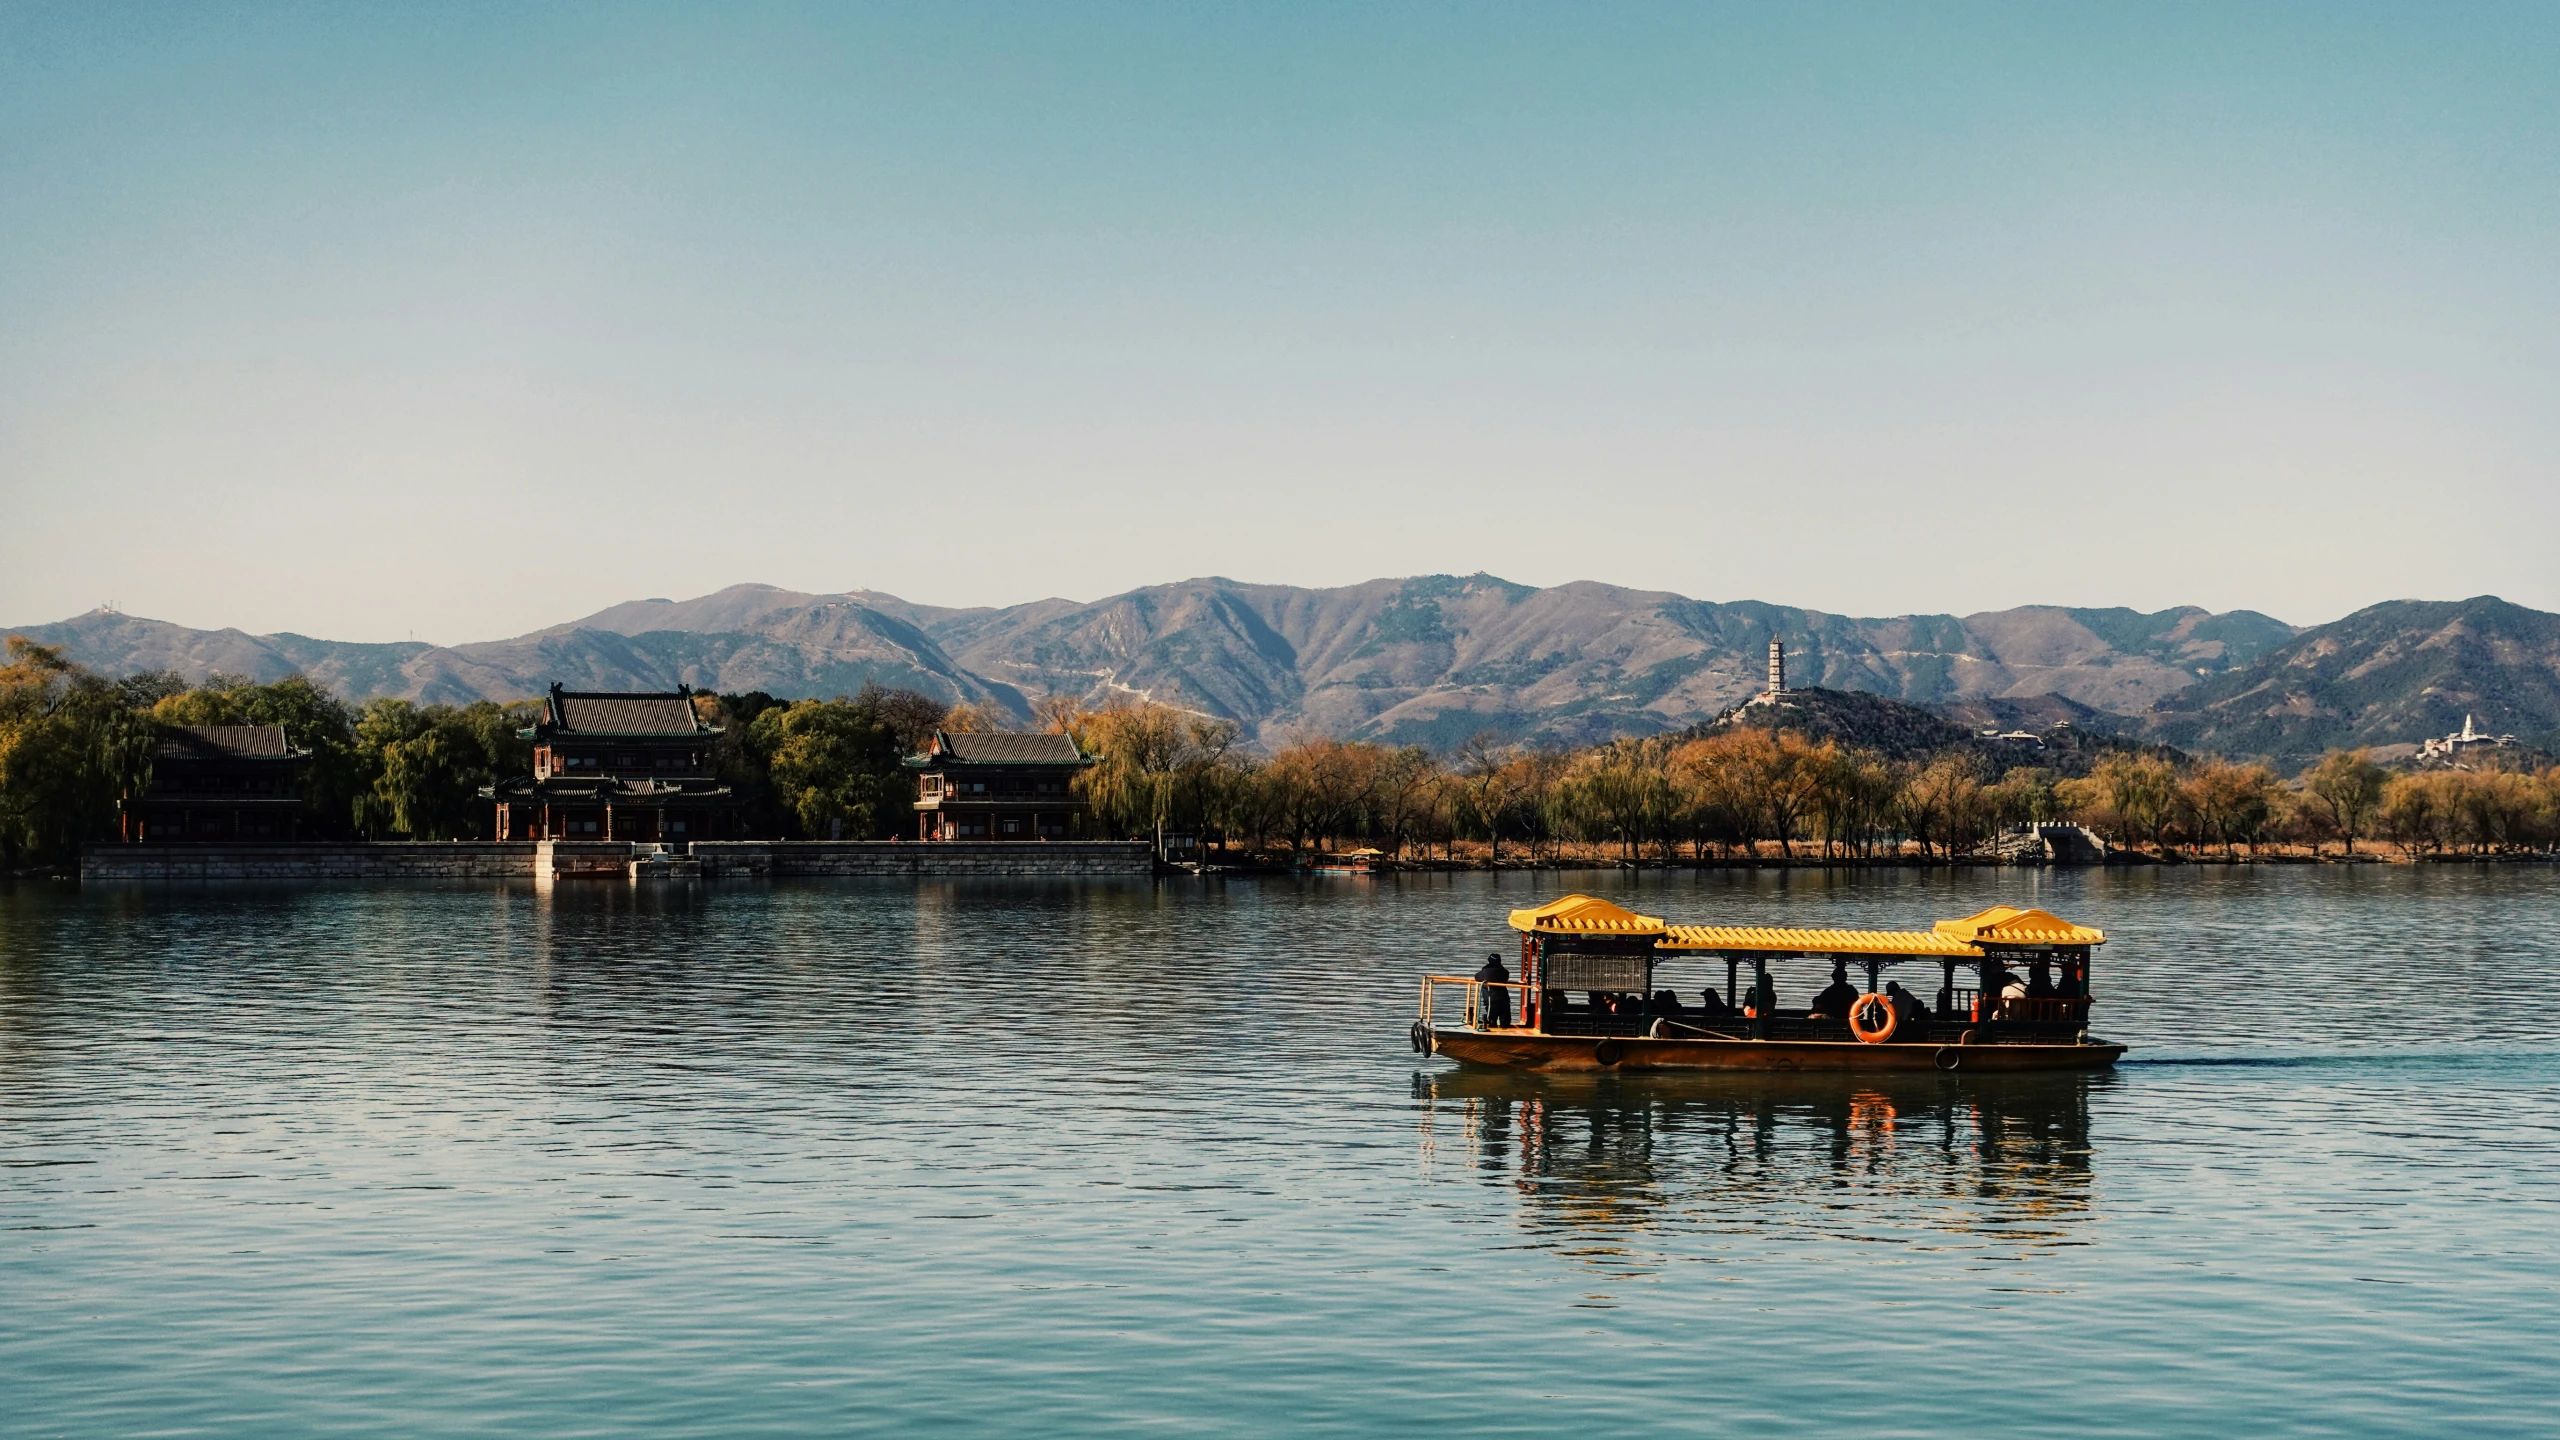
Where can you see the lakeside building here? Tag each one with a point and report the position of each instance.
(998, 785)
(217, 783)
(619, 765)
(2467, 738)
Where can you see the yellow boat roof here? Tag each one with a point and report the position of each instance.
(1584, 915)
(2009, 925)
(1767, 939)
(2001, 925)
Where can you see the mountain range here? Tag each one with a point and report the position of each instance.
(1434, 659)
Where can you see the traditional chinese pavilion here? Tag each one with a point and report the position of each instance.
(219, 782)
(619, 765)
(998, 785)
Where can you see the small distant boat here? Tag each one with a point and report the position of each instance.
(1348, 862)
(1612, 958)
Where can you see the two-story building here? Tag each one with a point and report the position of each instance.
(219, 782)
(619, 765)
(998, 785)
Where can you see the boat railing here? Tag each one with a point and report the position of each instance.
(2044, 1012)
(1573, 1020)
(2073, 1010)
(1472, 990)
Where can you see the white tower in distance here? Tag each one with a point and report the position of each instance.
(1777, 668)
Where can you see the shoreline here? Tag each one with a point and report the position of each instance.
(466, 859)
(1907, 862)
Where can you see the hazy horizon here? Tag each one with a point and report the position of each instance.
(468, 322)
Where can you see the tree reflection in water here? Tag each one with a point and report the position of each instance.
(1631, 1174)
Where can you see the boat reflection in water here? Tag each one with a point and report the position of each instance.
(1632, 1175)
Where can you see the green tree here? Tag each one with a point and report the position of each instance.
(424, 766)
(835, 766)
(71, 745)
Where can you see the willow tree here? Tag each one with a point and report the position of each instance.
(1622, 791)
(2231, 803)
(71, 745)
(2343, 791)
(1141, 751)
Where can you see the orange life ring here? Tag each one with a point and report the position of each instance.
(1859, 1007)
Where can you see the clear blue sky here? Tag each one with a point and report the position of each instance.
(463, 321)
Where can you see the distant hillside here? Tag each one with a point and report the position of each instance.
(2391, 673)
(1907, 732)
(1870, 722)
(2033, 712)
(1428, 660)
(818, 649)
(1435, 659)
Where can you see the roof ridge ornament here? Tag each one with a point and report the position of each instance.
(2015, 925)
(1585, 914)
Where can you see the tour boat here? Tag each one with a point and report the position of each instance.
(1612, 959)
(1348, 862)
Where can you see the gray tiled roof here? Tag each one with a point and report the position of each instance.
(625, 714)
(1012, 747)
(199, 742)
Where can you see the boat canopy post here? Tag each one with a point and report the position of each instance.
(1531, 999)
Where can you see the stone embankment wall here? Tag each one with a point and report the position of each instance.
(559, 859)
(604, 859)
(353, 860)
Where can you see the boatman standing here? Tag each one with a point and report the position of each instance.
(1497, 1000)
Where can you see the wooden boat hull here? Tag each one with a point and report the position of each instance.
(1527, 1050)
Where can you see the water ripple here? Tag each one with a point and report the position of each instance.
(1005, 1157)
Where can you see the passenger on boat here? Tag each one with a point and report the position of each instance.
(2004, 987)
(1764, 997)
(1553, 1002)
(1947, 1001)
(1836, 998)
(1496, 1007)
(1909, 1013)
(2040, 981)
(1666, 1003)
(1713, 1006)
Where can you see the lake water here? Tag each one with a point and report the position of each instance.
(1053, 1159)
